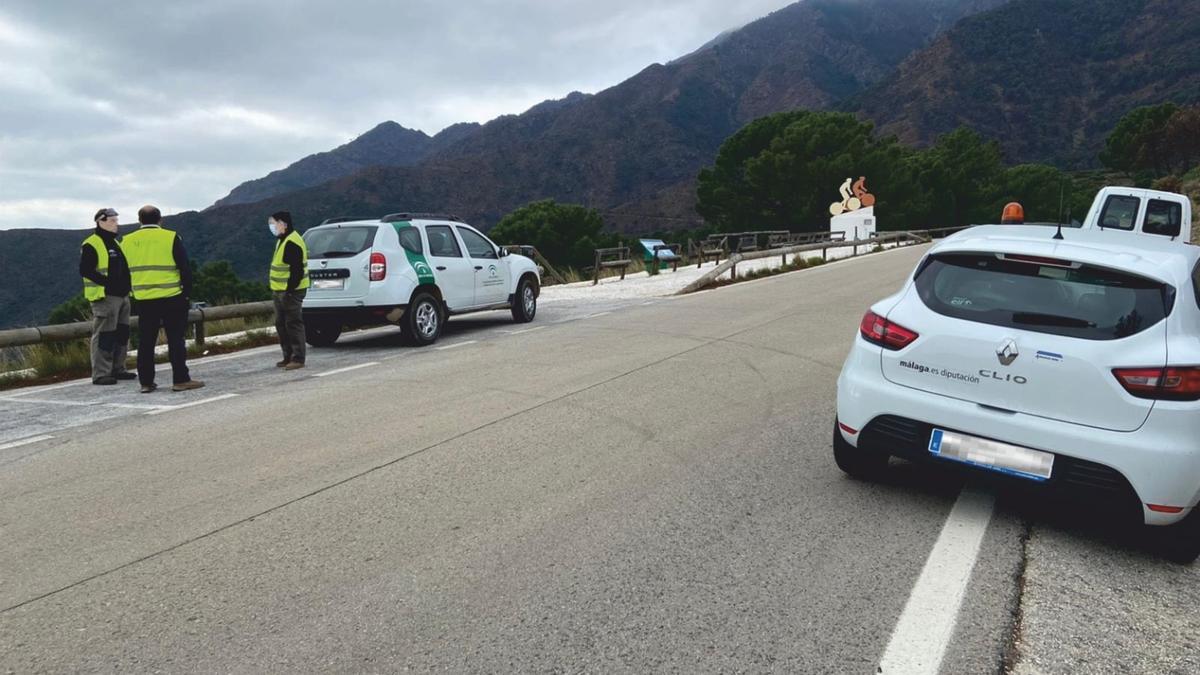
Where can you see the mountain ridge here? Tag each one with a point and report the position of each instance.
(386, 144)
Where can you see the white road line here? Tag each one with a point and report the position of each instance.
(456, 344)
(526, 330)
(24, 441)
(926, 625)
(81, 404)
(135, 406)
(193, 404)
(592, 316)
(44, 401)
(204, 360)
(347, 369)
(51, 387)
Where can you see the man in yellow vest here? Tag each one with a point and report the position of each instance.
(289, 285)
(106, 288)
(162, 282)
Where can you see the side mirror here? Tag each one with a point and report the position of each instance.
(502, 252)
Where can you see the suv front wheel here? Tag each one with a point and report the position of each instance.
(422, 322)
(524, 306)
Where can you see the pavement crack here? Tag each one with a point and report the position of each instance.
(1012, 649)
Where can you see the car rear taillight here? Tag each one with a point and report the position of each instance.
(1166, 384)
(378, 266)
(878, 330)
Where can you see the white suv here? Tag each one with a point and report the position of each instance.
(413, 270)
(1068, 364)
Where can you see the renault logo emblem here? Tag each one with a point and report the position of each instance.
(1007, 353)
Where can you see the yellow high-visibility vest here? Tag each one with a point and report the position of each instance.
(150, 253)
(280, 271)
(93, 291)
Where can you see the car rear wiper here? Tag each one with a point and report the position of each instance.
(1038, 319)
(338, 254)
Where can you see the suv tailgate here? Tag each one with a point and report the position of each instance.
(339, 261)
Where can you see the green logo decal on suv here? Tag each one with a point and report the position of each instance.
(417, 260)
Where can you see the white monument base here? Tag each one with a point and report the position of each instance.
(858, 224)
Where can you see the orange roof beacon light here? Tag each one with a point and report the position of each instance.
(1014, 214)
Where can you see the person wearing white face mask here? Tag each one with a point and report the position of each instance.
(289, 285)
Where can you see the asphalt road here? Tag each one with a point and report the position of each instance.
(620, 488)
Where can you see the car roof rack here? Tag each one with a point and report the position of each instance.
(399, 217)
(342, 219)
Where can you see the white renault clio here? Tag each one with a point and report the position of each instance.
(1071, 364)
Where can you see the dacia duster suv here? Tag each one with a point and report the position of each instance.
(411, 270)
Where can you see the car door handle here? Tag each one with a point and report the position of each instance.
(441, 268)
(479, 267)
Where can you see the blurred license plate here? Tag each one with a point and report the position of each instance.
(994, 455)
(329, 284)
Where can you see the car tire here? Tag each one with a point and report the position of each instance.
(856, 462)
(1180, 542)
(423, 320)
(524, 306)
(322, 333)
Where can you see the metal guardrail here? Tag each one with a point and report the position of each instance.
(730, 265)
(18, 337)
(930, 235)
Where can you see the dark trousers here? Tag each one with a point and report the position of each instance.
(170, 314)
(289, 323)
(110, 336)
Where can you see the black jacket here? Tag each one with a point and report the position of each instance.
(116, 283)
(185, 268)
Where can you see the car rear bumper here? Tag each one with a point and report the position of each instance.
(1157, 464)
(356, 316)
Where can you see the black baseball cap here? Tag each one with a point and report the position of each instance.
(111, 213)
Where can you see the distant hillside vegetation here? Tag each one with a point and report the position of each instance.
(1048, 79)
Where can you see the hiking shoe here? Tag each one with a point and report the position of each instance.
(148, 388)
(104, 380)
(187, 386)
(125, 376)
(282, 363)
(294, 365)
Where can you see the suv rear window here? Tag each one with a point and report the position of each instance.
(1083, 301)
(339, 242)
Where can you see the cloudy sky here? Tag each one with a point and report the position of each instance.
(175, 102)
